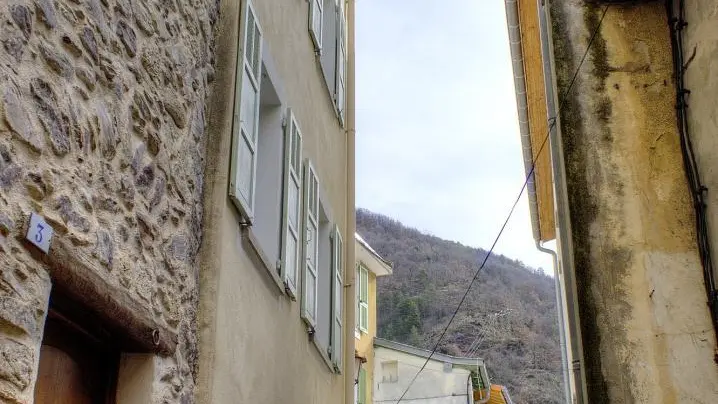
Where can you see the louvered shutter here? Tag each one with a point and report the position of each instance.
(363, 299)
(311, 245)
(316, 22)
(245, 127)
(337, 298)
(362, 387)
(341, 62)
(291, 213)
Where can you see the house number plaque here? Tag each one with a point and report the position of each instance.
(39, 233)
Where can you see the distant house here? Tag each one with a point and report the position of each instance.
(445, 379)
(369, 266)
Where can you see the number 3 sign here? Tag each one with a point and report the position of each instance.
(39, 232)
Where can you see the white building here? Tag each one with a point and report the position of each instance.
(445, 379)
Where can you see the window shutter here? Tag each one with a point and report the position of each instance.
(316, 22)
(245, 127)
(364, 299)
(311, 245)
(291, 213)
(337, 298)
(341, 62)
(357, 288)
(362, 387)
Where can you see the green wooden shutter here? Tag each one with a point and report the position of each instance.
(311, 245)
(245, 128)
(362, 387)
(364, 299)
(291, 213)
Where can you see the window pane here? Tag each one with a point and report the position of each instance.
(256, 56)
(251, 32)
(248, 112)
(364, 285)
(317, 20)
(245, 167)
(311, 294)
(364, 317)
(292, 259)
(312, 246)
(338, 297)
(295, 150)
(293, 203)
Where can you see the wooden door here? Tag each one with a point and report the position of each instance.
(76, 367)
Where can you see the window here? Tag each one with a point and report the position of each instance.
(328, 30)
(390, 372)
(363, 298)
(322, 288)
(265, 182)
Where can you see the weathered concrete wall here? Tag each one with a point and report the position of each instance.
(255, 347)
(102, 121)
(646, 329)
(700, 47)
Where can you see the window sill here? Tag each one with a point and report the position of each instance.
(251, 239)
(323, 354)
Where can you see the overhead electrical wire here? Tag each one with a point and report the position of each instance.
(552, 124)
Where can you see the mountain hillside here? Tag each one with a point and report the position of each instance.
(509, 317)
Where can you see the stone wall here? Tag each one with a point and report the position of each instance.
(102, 120)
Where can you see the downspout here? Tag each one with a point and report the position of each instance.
(512, 16)
(564, 239)
(349, 273)
(561, 323)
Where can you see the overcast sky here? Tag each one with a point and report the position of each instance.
(438, 144)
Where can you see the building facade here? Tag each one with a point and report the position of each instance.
(445, 379)
(176, 185)
(624, 186)
(369, 266)
(279, 208)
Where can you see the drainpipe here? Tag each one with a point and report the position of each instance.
(564, 239)
(349, 273)
(562, 277)
(561, 323)
(512, 16)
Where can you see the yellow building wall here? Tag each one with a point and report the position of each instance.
(365, 344)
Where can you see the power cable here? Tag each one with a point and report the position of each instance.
(516, 202)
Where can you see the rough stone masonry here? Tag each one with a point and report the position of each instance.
(102, 120)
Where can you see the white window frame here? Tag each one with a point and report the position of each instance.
(316, 13)
(245, 139)
(363, 305)
(292, 229)
(310, 249)
(337, 340)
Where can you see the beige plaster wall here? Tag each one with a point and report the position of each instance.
(646, 329)
(255, 347)
(700, 47)
(102, 117)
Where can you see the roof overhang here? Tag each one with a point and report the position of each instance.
(370, 258)
(528, 67)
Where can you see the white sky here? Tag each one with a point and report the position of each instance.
(438, 144)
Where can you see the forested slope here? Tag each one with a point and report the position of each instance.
(509, 317)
